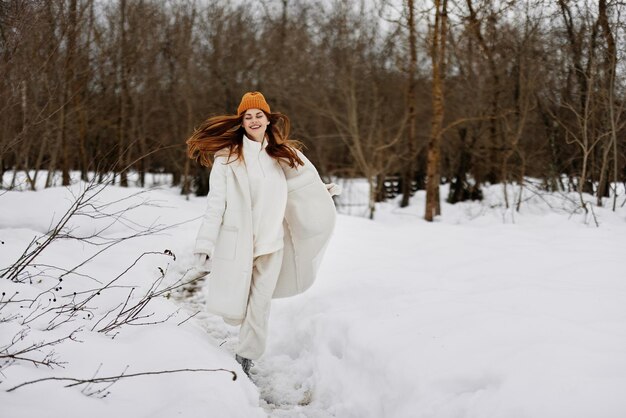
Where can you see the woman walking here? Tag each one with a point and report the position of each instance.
(268, 219)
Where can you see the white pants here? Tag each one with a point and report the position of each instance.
(253, 331)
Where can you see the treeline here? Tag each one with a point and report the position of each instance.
(528, 88)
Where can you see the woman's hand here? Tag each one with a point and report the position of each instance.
(202, 261)
(333, 189)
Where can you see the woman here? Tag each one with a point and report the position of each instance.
(268, 220)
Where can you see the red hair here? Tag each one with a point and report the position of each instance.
(226, 132)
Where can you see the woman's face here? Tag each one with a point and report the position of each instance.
(255, 123)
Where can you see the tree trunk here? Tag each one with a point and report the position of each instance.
(553, 180)
(433, 206)
(65, 171)
(495, 140)
(371, 204)
(459, 190)
(610, 59)
(43, 148)
(381, 192)
(54, 153)
(67, 93)
(201, 181)
(79, 104)
(25, 133)
(409, 170)
(121, 133)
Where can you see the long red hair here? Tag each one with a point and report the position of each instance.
(227, 131)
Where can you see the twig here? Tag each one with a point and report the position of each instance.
(48, 360)
(77, 381)
(130, 315)
(190, 316)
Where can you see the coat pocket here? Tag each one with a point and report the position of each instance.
(226, 246)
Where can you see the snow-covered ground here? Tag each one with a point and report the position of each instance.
(485, 313)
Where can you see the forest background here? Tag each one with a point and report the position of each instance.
(406, 94)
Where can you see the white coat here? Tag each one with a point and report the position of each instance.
(227, 228)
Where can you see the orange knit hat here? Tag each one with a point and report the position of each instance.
(253, 100)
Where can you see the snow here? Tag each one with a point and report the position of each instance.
(486, 312)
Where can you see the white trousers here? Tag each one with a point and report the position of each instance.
(253, 331)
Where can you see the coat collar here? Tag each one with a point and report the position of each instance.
(241, 175)
(249, 143)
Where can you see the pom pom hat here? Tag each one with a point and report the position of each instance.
(253, 100)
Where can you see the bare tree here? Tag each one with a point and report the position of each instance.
(411, 90)
(612, 115)
(92, 85)
(438, 51)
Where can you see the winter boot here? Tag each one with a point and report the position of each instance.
(245, 364)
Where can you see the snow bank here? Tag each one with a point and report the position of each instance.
(486, 312)
(126, 350)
